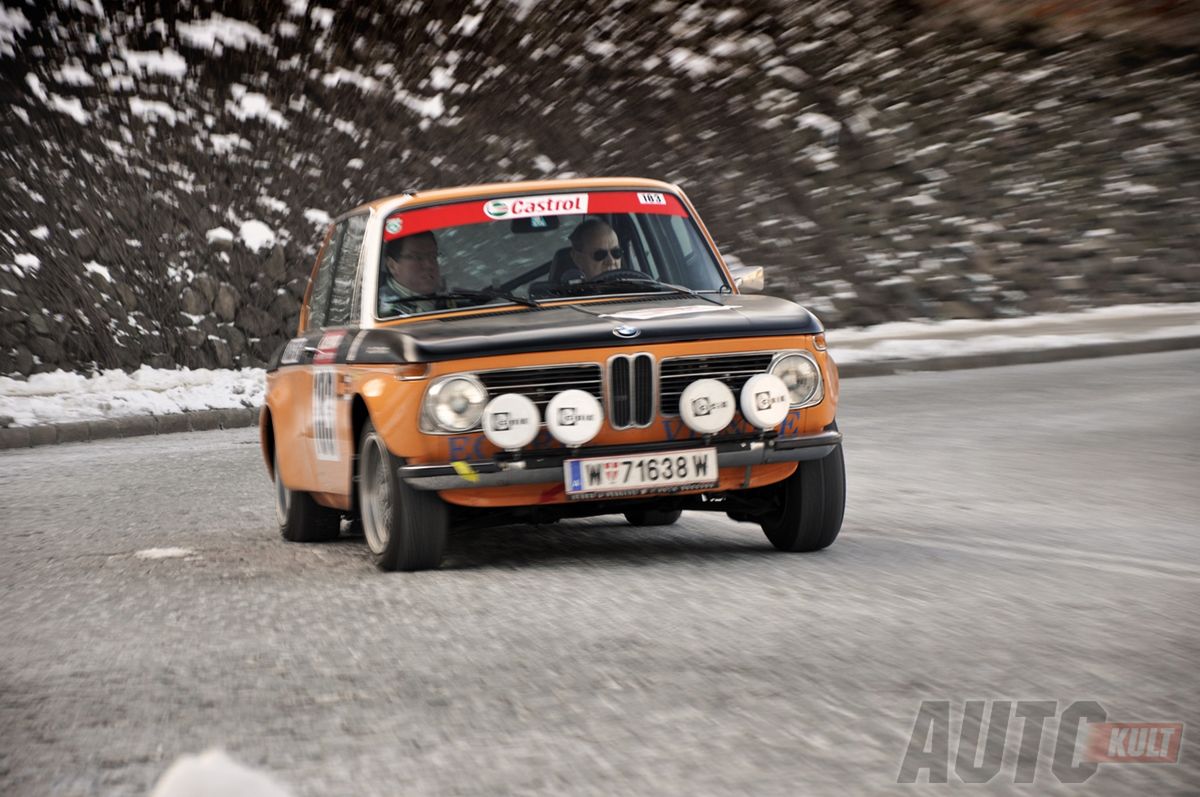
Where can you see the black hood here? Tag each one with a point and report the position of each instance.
(637, 321)
(577, 326)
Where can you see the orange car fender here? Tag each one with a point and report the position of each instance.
(394, 407)
(288, 410)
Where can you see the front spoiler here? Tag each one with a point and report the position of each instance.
(543, 468)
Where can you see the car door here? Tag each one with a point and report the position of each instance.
(291, 394)
(332, 422)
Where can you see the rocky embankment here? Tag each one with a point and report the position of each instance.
(168, 172)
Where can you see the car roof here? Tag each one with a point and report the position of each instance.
(466, 192)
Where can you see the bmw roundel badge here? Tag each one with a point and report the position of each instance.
(624, 331)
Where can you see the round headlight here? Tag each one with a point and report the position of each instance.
(455, 404)
(801, 376)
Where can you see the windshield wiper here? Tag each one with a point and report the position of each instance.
(655, 283)
(495, 292)
(485, 295)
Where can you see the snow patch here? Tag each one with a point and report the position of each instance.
(322, 17)
(1133, 189)
(362, 82)
(218, 32)
(92, 267)
(13, 25)
(219, 234)
(152, 110)
(467, 24)
(28, 263)
(429, 107)
(1001, 120)
(694, 64)
(274, 204)
(223, 144)
(35, 86)
(316, 217)
(823, 124)
(256, 235)
(164, 553)
(904, 340)
(71, 107)
(214, 772)
(151, 62)
(252, 105)
(74, 75)
(62, 396)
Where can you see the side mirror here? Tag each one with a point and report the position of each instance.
(748, 279)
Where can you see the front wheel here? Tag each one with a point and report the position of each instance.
(809, 505)
(405, 528)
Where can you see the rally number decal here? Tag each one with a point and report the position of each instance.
(324, 413)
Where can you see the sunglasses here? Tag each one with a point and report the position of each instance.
(600, 254)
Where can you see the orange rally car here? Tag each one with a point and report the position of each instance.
(539, 350)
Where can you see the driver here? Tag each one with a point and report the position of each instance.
(595, 248)
(411, 268)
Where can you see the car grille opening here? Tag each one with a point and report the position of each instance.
(734, 370)
(631, 382)
(542, 384)
(631, 390)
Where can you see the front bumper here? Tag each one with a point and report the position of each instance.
(543, 467)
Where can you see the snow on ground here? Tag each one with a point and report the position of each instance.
(61, 396)
(910, 340)
(164, 553)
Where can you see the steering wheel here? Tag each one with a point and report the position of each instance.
(618, 274)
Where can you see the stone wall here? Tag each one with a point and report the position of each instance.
(168, 173)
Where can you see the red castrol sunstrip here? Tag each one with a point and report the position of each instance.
(479, 211)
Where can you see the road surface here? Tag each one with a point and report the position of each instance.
(1020, 533)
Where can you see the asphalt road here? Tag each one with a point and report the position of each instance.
(1020, 533)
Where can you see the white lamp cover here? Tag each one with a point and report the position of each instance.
(510, 421)
(706, 406)
(574, 417)
(765, 401)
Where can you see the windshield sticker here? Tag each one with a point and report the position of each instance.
(667, 312)
(503, 209)
(524, 207)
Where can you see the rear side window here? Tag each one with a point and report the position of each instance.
(318, 298)
(341, 303)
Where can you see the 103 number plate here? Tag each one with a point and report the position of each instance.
(640, 474)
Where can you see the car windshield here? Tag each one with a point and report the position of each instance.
(526, 249)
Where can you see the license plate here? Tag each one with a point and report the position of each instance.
(640, 474)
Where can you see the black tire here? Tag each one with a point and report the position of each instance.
(300, 518)
(405, 528)
(652, 517)
(810, 506)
